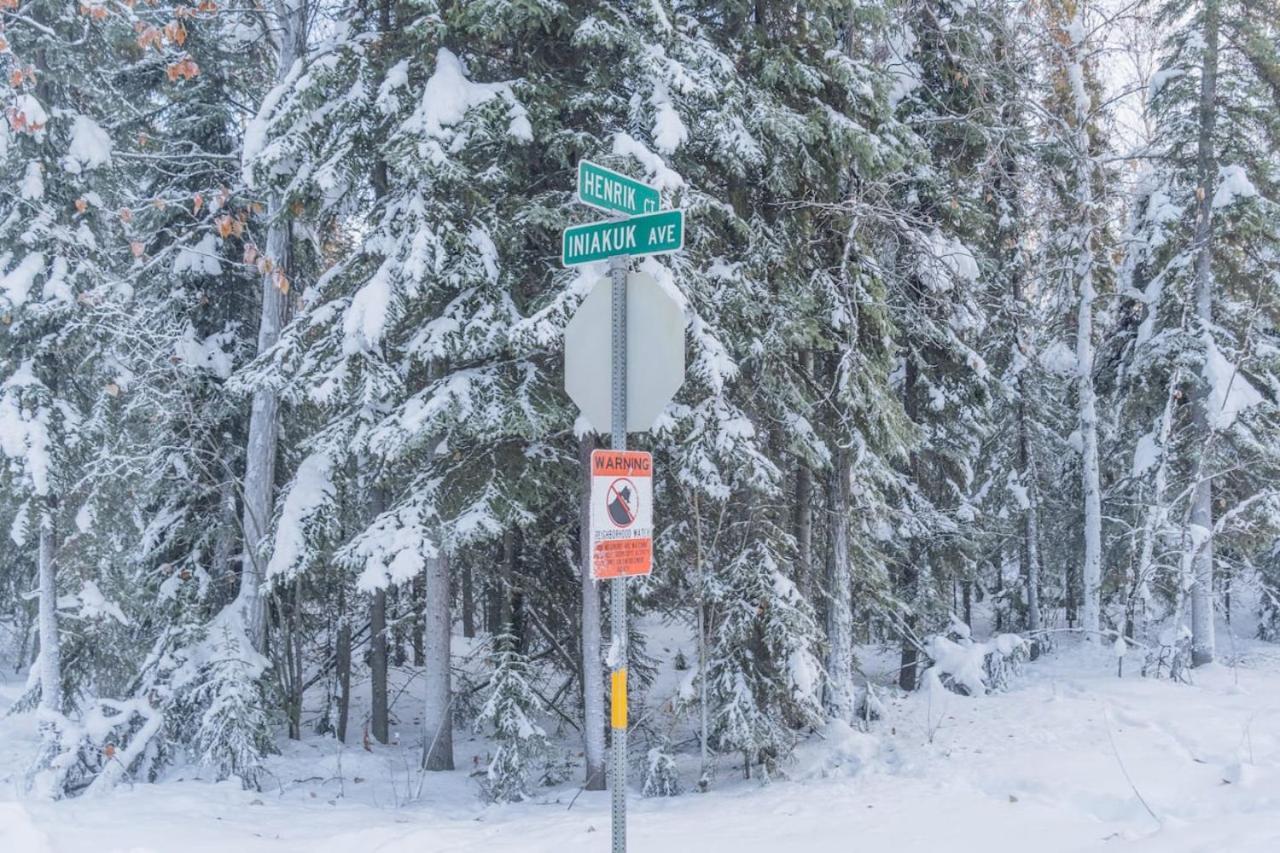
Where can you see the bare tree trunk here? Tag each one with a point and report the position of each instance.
(468, 601)
(840, 692)
(223, 582)
(378, 664)
(1030, 516)
(343, 654)
(803, 517)
(1083, 264)
(506, 586)
(24, 635)
(264, 426)
(419, 604)
(50, 642)
(437, 719)
(909, 573)
(592, 660)
(1202, 627)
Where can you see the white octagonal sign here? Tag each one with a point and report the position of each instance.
(655, 353)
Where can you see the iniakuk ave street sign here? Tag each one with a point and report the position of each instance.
(613, 192)
(650, 234)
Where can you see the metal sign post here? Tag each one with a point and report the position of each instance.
(644, 230)
(618, 588)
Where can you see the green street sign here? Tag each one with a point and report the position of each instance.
(609, 191)
(651, 234)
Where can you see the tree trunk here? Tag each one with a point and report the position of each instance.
(840, 691)
(468, 601)
(1202, 627)
(343, 655)
(592, 660)
(506, 584)
(378, 664)
(1091, 570)
(264, 425)
(437, 720)
(908, 575)
(1030, 516)
(419, 604)
(50, 642)
(222, 586)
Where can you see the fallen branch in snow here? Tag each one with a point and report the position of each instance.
(1106, 712)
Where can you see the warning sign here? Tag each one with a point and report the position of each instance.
(621, 513)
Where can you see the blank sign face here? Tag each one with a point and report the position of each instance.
(655, 353)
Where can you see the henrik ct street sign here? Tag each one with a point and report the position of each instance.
(613, 192)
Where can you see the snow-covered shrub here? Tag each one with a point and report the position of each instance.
(219, 709)
(764, 680)
(870, 708)
(660, 776)
(1269, 615)
(971, 668)
(1171, 657)
(509, 712)
(110, 742)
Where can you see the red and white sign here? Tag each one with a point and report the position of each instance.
(621, 513)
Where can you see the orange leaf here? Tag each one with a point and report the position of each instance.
(225, 224)
(281, 282)
(137, 248)
(148, 37)
(81, 205)
(109, 751)
(197, 203)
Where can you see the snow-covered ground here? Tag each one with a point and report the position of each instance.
(1064, 761)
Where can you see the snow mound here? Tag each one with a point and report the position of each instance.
(17, 832)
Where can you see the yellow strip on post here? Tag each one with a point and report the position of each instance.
(620, 698)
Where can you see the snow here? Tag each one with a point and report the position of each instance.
(1145, 453)
(312, 488)
(92, 604)
(1233, 184)
(209, 353)
(659, 174)
(1044, 767)
(201, 259)
(1162, 78)
(24, 433)
(397, 77)
(16, 284)
(366, 317)
(669, 132)
(449, 94)
(904, 72)
(90, 146)
(1229, 392)
(31, 111)
(32, 187)
(944, 262)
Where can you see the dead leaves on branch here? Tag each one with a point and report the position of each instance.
(184, 68)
